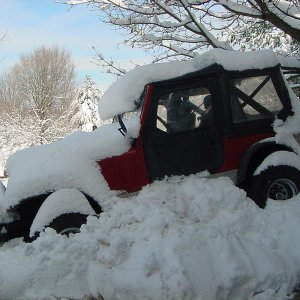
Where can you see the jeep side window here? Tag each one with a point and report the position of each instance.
(184, 110)
(254, 98)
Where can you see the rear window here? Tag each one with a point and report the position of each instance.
(254, 98)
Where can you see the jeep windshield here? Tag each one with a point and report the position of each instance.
(134, 114)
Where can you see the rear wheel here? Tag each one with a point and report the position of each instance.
(68, 223)
(277, 183)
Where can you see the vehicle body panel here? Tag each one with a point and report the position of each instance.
(235, 148)
(126, 172)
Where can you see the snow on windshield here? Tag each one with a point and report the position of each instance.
(122, 94)
(186, 238)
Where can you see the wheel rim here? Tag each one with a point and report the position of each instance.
(70, 230)
(282, 189)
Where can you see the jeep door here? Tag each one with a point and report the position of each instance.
(182, 134)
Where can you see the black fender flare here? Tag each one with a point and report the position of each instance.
(255, 155)
(29, 207)
(35, 203)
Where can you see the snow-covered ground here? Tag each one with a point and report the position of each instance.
(186, 238)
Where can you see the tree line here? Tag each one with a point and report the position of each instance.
(41, 88)
(41, 101)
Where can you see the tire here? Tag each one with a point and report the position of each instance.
(68, 223)
(277, 182)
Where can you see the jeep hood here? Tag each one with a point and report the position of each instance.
(68, 163)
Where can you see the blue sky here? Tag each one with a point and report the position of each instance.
(30, 24)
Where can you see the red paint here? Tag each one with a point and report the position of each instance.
(234, 149)
(128, 172)
(148, 98)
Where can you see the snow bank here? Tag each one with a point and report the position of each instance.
(63, 201)
(279, 158)
(292, 124)
(123, 93)
(186, 238)
(68, 163)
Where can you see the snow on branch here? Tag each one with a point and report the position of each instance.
(177, 28)
(240, 9)
(109, 65)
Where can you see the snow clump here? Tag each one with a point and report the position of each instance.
(182, 238)
(121, 95)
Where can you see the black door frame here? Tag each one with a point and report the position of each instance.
(172, 146)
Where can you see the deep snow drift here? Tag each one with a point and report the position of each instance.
(186, 238)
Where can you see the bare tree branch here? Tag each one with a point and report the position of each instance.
(3, 35)
(109, 65)
(181, 29)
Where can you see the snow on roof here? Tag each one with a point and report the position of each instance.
(123, 93)
(289, 62)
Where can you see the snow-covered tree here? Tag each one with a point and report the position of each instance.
(184, 28)
(39, 88)
(26, 130)
(44, 81)
(84, 109)
(34, 97)
(20, 129)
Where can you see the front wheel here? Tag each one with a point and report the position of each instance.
(68, 223)
(276, 182)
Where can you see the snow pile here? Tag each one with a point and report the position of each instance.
(6, 150)
(292, 124)
(186, 238)
(279, 158)
(63, 201)
(68, 163)
(122, 94)
(4, 154)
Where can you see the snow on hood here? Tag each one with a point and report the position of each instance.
(186, 238)
(68, 163)
(123, 93)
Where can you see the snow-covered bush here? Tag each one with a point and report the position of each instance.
(20, 129)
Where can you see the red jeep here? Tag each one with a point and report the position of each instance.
(212, 120)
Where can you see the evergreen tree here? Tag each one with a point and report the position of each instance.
(84, 109)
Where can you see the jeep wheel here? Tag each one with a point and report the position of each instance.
(68, 223)
(277, 183)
